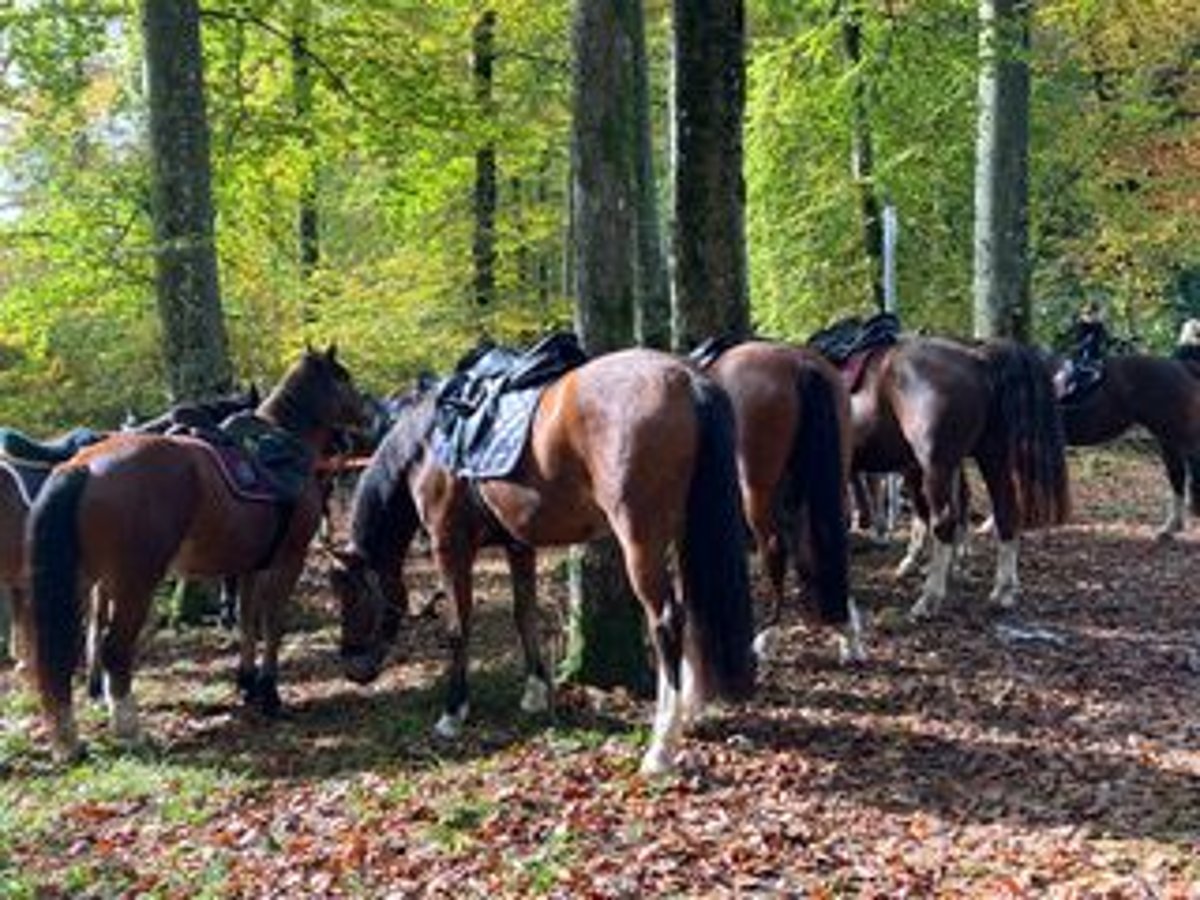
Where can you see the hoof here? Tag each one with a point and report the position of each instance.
(923, 609)
(656, 762)
(267, 698)
(851, 652)
(536, 698)
(247, 684)
(765, 644)
(1005, 598)
(449, 727)
(1165, 535)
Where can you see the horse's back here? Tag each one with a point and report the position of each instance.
(617, 433)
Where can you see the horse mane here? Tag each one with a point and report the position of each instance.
(382, 513)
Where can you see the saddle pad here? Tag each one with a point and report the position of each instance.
(29, 478)
(243, 478)
(853, 368)
(494, 449)
(484, 410)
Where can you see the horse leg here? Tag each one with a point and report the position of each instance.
(939, 488)
(760, 515)
(273, 588)
(128, 605)
(522, 565)
(229, 602)
(250, 631)
(455, 557)
(1177, 474)
(99, 615)
(918, 529)
(1006, 586)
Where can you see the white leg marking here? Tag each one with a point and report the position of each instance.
(450, 725)
(917, 534)
(1174, 523)
(850, 649)
(691, 703)
(536, 698)
(765, 644)
(123, 712)
(668, 722)
(936, 582)
(1007, 584)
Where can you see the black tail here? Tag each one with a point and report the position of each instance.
(54, 562)
(1025, 408)
(716, 581)
(1193, 484)
(815, 482)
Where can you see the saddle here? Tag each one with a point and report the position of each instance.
(850, 343)
(259, 461)
(483, 412)
(710, 349)
(1077, 379)
(31, 460)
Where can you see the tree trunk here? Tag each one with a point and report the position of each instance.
(607, 646)
(1001, 282)
(307, 220)
(484, 246)
(195, 346)
(652, 314)
(711, 294)
(862, 154)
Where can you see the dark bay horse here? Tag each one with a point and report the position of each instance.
(794, 452)
(634, 443)
(123, 512)
(926, 405)
(1163, 396)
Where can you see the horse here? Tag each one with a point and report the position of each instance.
(203, 414)
(124, 511)
(637, 444)
(794, 453)
(925, 405)
(1163, 396)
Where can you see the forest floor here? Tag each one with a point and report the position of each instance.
(1052, 751)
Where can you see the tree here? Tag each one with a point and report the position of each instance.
(308, 231)
(606, 646)
(862, 153)
(483, 58)
(711, 291)
(1002, 270)
(189, 302)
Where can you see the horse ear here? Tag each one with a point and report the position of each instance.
(331, 352)
(255, 397)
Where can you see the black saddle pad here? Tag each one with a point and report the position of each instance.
(31, 461)
(853, 335)
(710, 349)
(484, 410)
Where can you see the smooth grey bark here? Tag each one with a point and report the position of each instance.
(606, 646)
(195, 344)
(1001, 274)
(308, 233)
(710, 292)
(483, 59)
(862, 152)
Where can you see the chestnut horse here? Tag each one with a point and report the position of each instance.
(123, 512)
(1163, 396)
(793, 448)
(634, 443)
(927, 404)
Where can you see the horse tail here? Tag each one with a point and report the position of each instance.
(716, 580)
(1026, 414)
(54, 565)
(1193, 484)
(816, 479)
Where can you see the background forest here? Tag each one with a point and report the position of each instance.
(368, 117)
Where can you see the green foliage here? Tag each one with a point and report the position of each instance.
(391, 137)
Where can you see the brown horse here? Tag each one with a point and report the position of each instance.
(925, 405)
(793, 447)
(123, 512)
(634, 443)
(13, 581)
(1163, 396)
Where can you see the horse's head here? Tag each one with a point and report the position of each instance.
(316, 393)
(370, 617)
